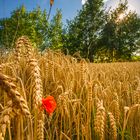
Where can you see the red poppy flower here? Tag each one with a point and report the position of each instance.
(49, 104)
(51, 2)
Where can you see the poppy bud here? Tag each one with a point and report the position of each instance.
(51, 2)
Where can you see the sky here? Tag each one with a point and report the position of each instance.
(69, 7)
(133, 5)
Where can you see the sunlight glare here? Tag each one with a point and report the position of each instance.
(121, 16)
(83, 2)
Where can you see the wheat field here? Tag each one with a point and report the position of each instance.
(94, 101)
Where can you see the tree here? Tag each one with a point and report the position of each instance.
(83, 32)
(121, 33)
(34, 24)
(53, 39)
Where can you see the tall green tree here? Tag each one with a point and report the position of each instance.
(34, 24)
(121, 33)
(83, 32)
(54, 37)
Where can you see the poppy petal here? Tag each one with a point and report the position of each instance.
(49, 104)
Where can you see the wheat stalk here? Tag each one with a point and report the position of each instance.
(113, 125)
(7, 85)
(8, 112)
(40, 126)
(83, 71)
(99, 122)
(136, 96)
(37, 92)
(36, 82)
(127, 113)
(89, 107)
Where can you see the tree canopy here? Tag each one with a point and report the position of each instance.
(100, 35)
(84, 31)
(121, 33)
(53, 37)
(96, 34)
(33, 24)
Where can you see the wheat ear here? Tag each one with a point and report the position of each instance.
(113, 125)
(116, 107)
(10, 88)
(37, 83)
(37, 95)
(7, 114)
(89, 107)
(20, 43)
(99, 121)
(137, 94)
(40, 126)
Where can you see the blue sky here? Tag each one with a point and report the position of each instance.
(69, 7)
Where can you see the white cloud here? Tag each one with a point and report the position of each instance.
(83, 2)
(105, 0)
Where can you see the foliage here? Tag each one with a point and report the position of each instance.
(34, 24)
(93, 34)
(135, 58)
(83, 32)
(121, 33)
(21, 22)
(53, 39)
(103, 36)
